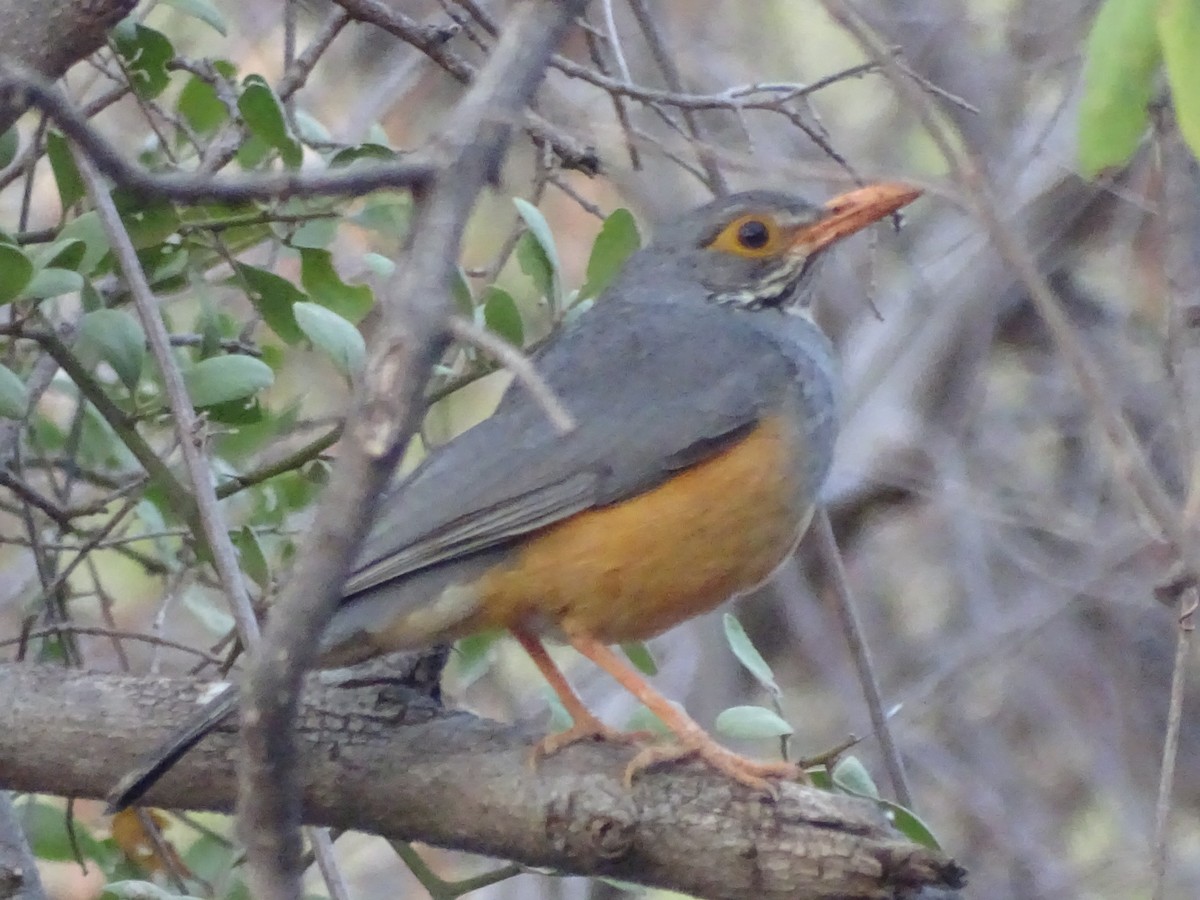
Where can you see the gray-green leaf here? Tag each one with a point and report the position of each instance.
(752, 723)
(53, 282)
(618, 238)
(15, 271)
(748, 655)
(1123, 56)
(14, 399)
(852, 777)
(220, 379)
(536, 252)
(331, 333)
(114, 336)
(501, 315)
(202, 10)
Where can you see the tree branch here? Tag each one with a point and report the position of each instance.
(412, 171)
(49, 36)
(391, 762)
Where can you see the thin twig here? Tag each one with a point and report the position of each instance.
(1166, 781)
(306, 454)
(521, 367)
(670, 72)
(321, 842)
(614, 40)
(203, 186)
(618, 102)
(847, 608)
(214, 530)
(120, 634)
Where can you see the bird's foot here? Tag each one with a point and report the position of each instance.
(589, 729)
(755, 774)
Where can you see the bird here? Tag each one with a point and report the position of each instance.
(705, 402)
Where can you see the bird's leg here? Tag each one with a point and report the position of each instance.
(693, 740)
(584, 724)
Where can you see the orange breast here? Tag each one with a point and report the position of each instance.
(634, 569)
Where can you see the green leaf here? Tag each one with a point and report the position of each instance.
(99, 445)
(10, 143)
(1123, 56)
(539, 228)
(15, 271)
(202, 10)
(45, 828)
(472, 657)
(752, 723)
(87, 228)
(309, 128)
(536, 253)
(501, 315)
(333, 334)
(148, 222)
(53, 283)
(321, 280)
(743, 648)
(116, 337)
(910, 825)
(264, 117)
(534, 263)
(852, 777)
(253, 152)
(66, 174)
(386, 215)
(368, 151)
(14, 399)
(165, 265)
(220, 379)
(62, 254)
(146, 53)
(617, 240)
(210, 858)
(200, 106)
(315, 233)
(274, 297)
(1179, 32)
(251, 557)
(641, 657)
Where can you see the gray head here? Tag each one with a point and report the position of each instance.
(755, 250)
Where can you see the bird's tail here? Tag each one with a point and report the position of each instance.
(156, 763)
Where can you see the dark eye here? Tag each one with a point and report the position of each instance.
(753, 235)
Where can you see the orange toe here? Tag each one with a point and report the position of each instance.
(590, 729)
(754, 774)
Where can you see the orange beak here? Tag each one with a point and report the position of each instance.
(853, 211)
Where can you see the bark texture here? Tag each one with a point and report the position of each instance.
(391, 762)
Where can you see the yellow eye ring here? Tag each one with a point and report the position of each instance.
(753, 235)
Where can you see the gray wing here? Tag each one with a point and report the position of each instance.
(649, 396)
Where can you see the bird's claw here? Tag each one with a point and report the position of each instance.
(754, 774)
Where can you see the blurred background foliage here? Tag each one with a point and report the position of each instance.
(1008, 583)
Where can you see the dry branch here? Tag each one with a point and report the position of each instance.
(389, 761)
(49, 36)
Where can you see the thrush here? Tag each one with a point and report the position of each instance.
(705, 403)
